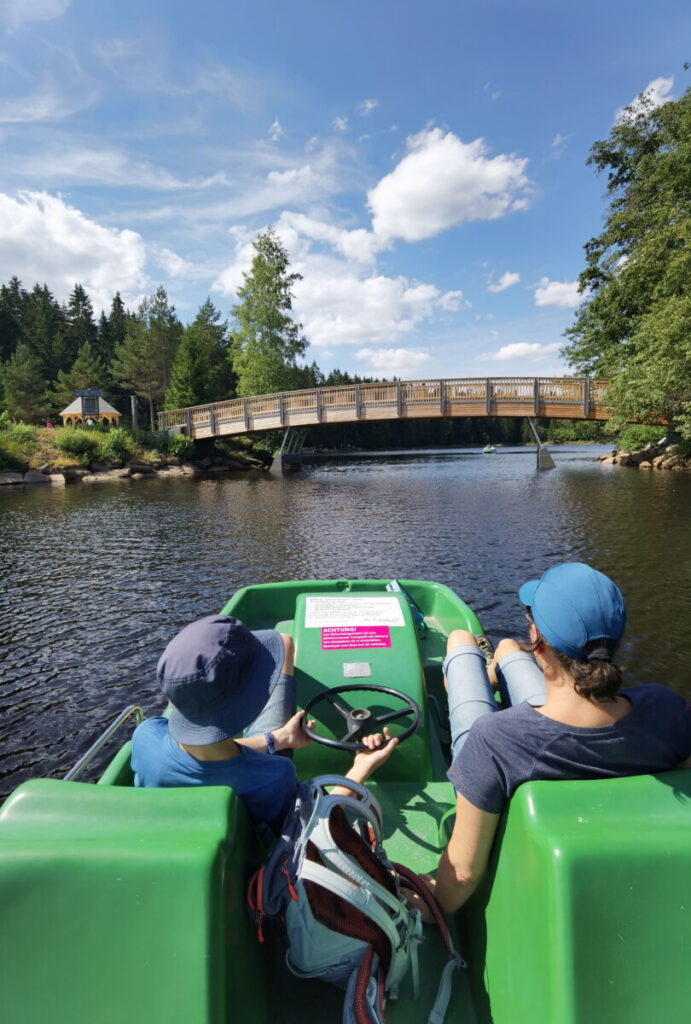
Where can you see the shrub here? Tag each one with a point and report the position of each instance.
(115, 446)
(81, 444)
(11, 459)
(636, 437)
(181, 446)
(22, 433)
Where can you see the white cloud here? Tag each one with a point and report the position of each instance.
(507, 280)
(276, 130)
(558, 145)
(557, 293)
(367, 106)
(491, 90)
(42, 238)
(359, 245)
(655, 94)
(95, 165)
(520, 350)
(387, 362)
(17, 12)
(177, 267)
(337, 306)
(442, 182)
(340, 124)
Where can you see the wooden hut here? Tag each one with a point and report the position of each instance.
(89, 408)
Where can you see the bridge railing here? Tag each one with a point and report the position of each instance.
(314, 405)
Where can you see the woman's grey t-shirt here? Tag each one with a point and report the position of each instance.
(507, 748)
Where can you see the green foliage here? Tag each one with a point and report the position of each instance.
(116, 445)
(87, 371)
(81, 444)
(12, 303)
(24, 385)
(182, 447)
(201, 372)
(22, 433)
(44, 332)
(636, 437)
(143, 360)
(17, 440)
(573, 430)
(266, 342)
(634, 325)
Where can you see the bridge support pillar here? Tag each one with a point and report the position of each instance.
(288, 458)
(544, 459)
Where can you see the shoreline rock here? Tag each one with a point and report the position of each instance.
(136, 469)
(655, 457)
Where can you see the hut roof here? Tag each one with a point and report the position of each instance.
(76, 407)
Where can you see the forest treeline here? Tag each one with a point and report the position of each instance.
(49, 350)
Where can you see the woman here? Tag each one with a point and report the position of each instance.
(567, 719)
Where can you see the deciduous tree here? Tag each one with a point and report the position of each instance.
(635, 324)
(266, 342)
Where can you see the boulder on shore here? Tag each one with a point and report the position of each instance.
(657, 457)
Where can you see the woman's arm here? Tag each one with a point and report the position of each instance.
(464, 861)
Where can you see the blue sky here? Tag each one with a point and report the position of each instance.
(424, 163)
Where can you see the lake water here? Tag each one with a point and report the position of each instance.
(94, 580)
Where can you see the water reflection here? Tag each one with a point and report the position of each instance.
(96, 579)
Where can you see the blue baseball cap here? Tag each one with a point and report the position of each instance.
(573, 605)
(218, 675)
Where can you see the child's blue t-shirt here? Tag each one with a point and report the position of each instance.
(519, 745)
(266, 783)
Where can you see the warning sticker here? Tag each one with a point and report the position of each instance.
(340, 638)
(324, 612)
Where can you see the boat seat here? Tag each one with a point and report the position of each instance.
(585, 913)
(115, 897)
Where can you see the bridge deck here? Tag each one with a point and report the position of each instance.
(554, 397)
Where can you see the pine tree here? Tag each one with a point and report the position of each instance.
(143, 360)
(165, 330)
(266, 342)
(117, 323)
(43, 330)
(81, 328)
(201, 371)
(135, 366)
(12, 303)
(24, 386)
(87, 371)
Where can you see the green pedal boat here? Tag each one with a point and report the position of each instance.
(127, 906)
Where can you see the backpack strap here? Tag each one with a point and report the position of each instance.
(360, 895)
(361, 799)
(456, 961)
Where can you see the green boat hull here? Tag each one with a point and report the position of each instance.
(127, 905)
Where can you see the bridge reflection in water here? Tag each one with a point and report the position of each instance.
(578, 398)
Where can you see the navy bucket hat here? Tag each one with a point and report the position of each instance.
(218, 675)
(573, 605)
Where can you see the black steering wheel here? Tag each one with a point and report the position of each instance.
(361, 721)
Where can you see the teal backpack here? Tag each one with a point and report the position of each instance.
(338, 897)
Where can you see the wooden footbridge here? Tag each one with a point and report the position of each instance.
(578, 398)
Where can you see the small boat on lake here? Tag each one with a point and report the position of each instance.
(489, 449)
(127, 906)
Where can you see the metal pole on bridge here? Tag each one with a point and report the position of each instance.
(544, 459)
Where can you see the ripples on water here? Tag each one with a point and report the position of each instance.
(96, 579)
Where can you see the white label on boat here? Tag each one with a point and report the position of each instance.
(357, 669)
(323, 612)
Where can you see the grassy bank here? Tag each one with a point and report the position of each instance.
(24, 447)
